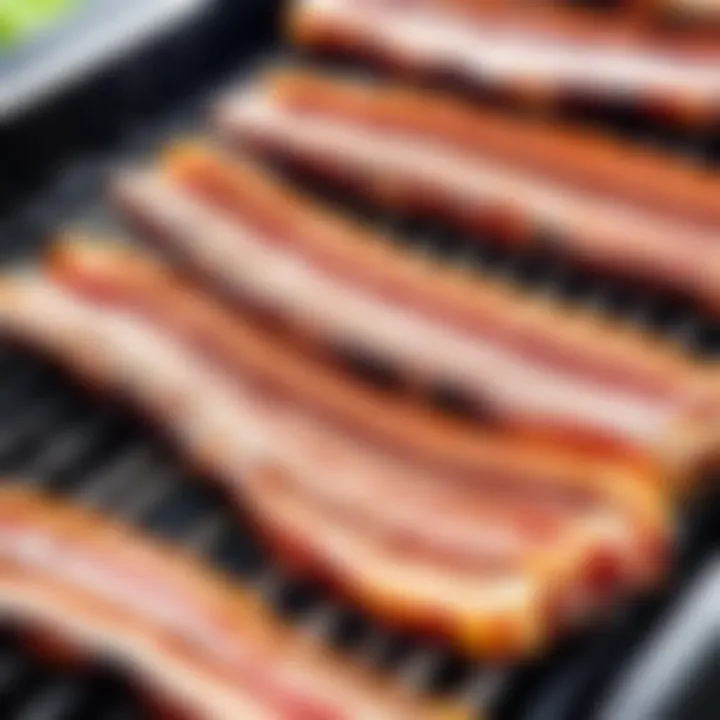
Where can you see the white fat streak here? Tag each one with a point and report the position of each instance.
(34, 548)
(41, 552)
(474, 605)
(614, 228)
(465, 595)
(240, 259)
(504, 53)
(143, 653)
(154, 366)
(147, 366)
(411, 500)
(310, 454)
(160, 599)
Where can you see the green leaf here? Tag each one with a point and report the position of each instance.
(20, 18)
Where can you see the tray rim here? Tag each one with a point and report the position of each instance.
(98, 32)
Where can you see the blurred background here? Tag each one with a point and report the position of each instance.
(78, 77)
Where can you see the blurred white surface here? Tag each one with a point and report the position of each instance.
(99, 33)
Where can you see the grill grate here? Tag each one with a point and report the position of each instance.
(66, 442)
(56, 434)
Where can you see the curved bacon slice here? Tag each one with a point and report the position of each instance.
(233, 438)
(523, 182)
(537, 58)
(474, 545)
(129, 278)
(532, 366)
(491, 461)
(201, 644)
(585, 159)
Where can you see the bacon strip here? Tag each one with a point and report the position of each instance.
(509, 572)
(534, 367)
(125, 277)
(536, 58)
(585, 159)
(572, 489)
(573, 555)
(412, 153)
(200, 643)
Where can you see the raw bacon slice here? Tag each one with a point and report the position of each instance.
(532, 366)
(191, 639)
(122, 277)
(560, 560)
(562, 482)
(240, 437)
(536, 58)
(586, 159)
(625, 213)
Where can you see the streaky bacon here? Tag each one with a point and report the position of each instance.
(517, 183)
(124, 277)
(511, 572)
(533, 366)
(192, 639)
(585, 158)
(564, 483)
(536, 58)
